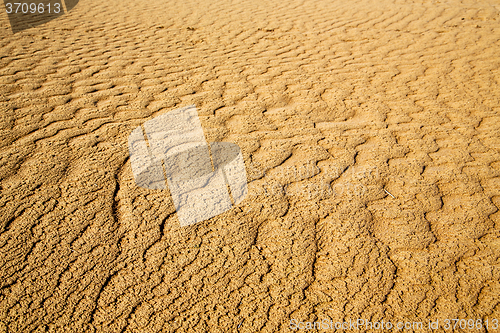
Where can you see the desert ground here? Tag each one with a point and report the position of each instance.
(370, 132)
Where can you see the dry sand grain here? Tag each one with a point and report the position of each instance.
(334, 104)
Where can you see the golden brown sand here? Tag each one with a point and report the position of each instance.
(373, 126)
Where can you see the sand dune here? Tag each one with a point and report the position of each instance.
(370, 134)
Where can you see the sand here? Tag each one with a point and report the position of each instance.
(370, 135)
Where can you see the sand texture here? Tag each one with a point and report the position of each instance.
(370, 133)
